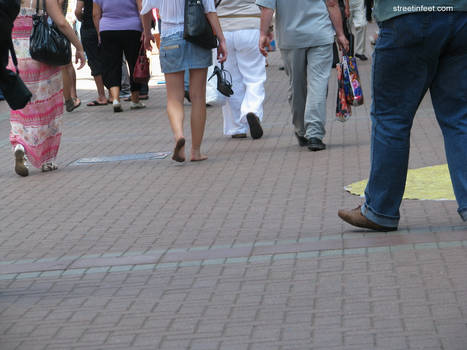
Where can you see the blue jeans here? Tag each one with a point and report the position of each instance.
(414, 53)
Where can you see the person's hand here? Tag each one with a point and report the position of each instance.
(343, 43)
(271, 38)
(222, 52)
(347, 12)
(79, 56)
(147, 39)
(264, 44)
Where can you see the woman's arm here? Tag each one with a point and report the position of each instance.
(216, 28)
(96, 17)
(147, 36)
(141, 18)
(55, 12)
(79, 10)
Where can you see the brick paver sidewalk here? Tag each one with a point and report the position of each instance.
(243, 251)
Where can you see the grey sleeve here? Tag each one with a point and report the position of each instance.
(209, 6)
(267, 3)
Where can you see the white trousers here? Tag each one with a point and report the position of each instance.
(247, 66)
(358, 19)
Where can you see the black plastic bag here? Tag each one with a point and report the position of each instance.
(47, 44)
(197, 28)
(16, 93)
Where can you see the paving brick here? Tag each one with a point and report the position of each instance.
(225, 254)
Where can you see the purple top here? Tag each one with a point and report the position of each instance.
(119, 15)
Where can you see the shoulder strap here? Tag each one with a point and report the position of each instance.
(13, 56)
(218, 2)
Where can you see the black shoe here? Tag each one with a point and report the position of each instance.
(302, 140)
(187, 95)
(362, 57)
(224, 80)
(239, 136)
(256, 130)
(315, 144)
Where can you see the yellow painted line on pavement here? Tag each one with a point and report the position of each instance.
(429, 183)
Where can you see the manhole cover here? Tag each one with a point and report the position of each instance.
(121, 158)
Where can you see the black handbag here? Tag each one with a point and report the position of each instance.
(16, 93)
(47, 44)
(197, 29)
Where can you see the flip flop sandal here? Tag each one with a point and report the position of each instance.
(96, 103)
(49, 166)
(71, 105)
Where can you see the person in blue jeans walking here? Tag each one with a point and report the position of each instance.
(415, 51)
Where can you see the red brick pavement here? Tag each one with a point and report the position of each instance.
(243, 251)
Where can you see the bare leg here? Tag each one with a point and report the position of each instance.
(66, 83)
(69, 83)
(69, 87)
(115, 93)
(198, 111)
(175, 111)
(135, 96)
(100, 89)
(72, 74)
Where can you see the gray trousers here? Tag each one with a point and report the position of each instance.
(308, 70)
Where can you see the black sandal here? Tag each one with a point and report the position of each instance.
(224, 83)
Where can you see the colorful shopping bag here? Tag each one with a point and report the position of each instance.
(355, 95)
(343, 109)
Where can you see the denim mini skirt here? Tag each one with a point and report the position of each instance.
(176, 54)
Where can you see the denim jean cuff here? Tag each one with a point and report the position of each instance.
(463, 214)
(379, 219)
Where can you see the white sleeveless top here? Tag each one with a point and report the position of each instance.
(172, 13)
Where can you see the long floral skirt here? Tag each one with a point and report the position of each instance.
(38, 125)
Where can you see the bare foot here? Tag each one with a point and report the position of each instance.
(179, 150)
(196, 156)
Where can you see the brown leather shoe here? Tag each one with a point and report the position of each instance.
(356, 218)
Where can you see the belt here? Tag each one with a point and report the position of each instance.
(240, 16)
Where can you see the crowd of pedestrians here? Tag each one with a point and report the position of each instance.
(409, 53)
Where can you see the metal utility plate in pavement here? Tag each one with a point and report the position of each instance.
(120, 158)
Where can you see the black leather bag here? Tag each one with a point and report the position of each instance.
(47, 44)
(16, 93)
(197, 29)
